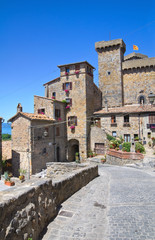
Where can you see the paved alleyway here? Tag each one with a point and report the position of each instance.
(118, 205)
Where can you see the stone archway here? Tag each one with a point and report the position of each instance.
(73, 147)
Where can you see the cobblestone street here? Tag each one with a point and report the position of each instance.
(118, 205)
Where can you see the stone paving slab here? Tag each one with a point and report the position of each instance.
(118, 205)
(87, 213)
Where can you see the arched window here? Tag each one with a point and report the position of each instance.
(141, 99)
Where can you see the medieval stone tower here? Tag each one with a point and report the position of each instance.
(110, 57)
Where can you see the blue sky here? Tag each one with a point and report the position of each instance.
(36, 36)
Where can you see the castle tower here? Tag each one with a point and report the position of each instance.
(110, 57)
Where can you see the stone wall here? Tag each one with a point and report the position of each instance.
(6, 150)
(20, 134)
(97, 135)
(110, 59)
(25, 211)
(122, 158)
(138, 82)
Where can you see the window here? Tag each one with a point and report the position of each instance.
(113, 119)
(126, 137)
(44, 150)
(57, 131)
(108, 72)
(77, 67)
(69, 101)
(67, 86)
(57, 113)
(126, 119)
(141, 99)
(67, 70)
(152, 119)
(41, 111)
(149, 134)
(72, 121)
(53, 94)
(114, 134)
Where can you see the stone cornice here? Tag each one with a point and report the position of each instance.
(106, 44)
(138, 63)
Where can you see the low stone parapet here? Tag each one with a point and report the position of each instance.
(122, 158)
(26, 210)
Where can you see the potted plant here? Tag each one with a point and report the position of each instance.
(22, 174)
(53, 97)
(77, 72)
(77, 157)
(72, 127)
(7, 180)
(67, 107)
(149, 143)
(66, 73)
(103, 160)
(66, 90)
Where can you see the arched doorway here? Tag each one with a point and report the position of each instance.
(73, 147)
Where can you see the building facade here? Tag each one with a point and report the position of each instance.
(72, 102)
(75, 86)
(126, 83)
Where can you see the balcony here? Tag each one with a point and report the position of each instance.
(113, 124)
(126, 124)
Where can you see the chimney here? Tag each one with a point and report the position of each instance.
(19, 108)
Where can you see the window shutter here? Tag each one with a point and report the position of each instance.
(63, 86)
(39, 110)
(75, 121)
(70, 101)
(70, 85)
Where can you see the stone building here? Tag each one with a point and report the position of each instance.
(75, 86)
(36, 139)
(126, 83)
(72, 102)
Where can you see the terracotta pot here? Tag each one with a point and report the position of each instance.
(8, 183)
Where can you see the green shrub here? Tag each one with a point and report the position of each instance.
(139, 147)
(6, 137)
(109, 137)
(126, 146)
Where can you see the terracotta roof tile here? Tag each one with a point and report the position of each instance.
(127, 109)
(32, 116)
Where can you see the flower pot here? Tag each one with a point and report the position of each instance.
(21, 177)
(8, 183)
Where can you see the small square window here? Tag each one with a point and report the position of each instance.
(69, 101)
(72, 121)
(109, 72)
(67, 86)
(113, 119)
(41, 111)
(67, 69)
(114, 134)
(126, 118)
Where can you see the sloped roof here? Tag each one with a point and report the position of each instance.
(127, 109)
(54, 80)
(32, 116)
